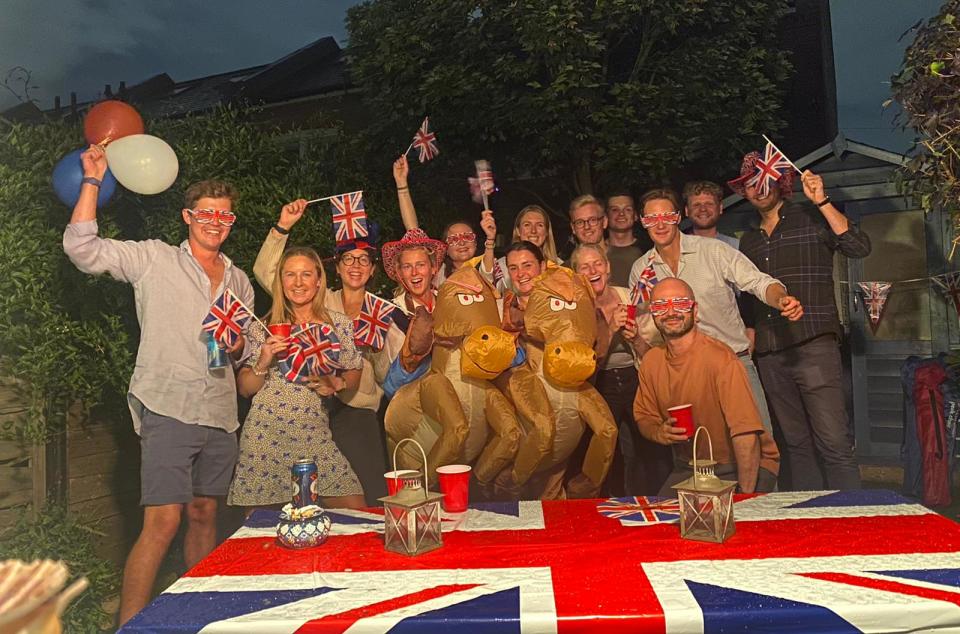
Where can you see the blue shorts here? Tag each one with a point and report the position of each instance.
(179, 461)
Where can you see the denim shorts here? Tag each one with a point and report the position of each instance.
(179, 461)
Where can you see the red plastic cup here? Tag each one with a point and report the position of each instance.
(400, 479)
(684, 417)
(632, 312)
(283, 331)
(455, 485)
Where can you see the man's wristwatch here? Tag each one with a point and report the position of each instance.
(825, 201)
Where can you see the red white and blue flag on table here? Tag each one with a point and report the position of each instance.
(482, 186)
(857, 561)
(227, 318)
(875, 299)
(768, 170)
(371, 326)
(314, 350)
(349, 217)
(641, 509)
(425, 141)
(643, 289)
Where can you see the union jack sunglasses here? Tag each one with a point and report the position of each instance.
(660, 307)
(464, 236)
(671, 218)
(206, 216)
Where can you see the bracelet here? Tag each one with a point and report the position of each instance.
(402, 189)
(259, 372)
(90, 180)
(825, 201)
(489, 243)
(280, 229)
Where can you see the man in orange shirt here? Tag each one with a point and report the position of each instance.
(697, 369)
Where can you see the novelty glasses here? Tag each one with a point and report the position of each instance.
(671, 218)
(457, 238)
(660, 307)
(206, 216)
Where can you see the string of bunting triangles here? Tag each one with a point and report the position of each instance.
(876, 293)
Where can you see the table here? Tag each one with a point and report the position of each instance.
(815, 561)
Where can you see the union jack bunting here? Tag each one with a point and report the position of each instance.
(770, 169)
(425, 141)
(875, 298)
(314, 349)
(349, 217)
(371, 326)
(483, 184)
(227, 318)
(643, 289)
(852, 561)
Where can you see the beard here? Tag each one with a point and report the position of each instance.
(675, 330)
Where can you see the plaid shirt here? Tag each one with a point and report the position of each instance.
(799, 253)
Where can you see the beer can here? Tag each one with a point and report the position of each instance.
(304, 479)
(216, 354)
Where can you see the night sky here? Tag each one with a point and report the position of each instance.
(80, 45)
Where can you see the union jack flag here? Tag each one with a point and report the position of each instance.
(227, 318)
(770, 169)
(483, 184)
(641, 509)
(314, 349)
(349, 216)
(819, 561)
(425, 141)
(643, 289)
(875, 298)
(371, 326)
(499, 279)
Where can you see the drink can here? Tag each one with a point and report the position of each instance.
(216, 354)
(304, 479)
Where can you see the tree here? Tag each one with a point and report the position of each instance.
(591, 95)
(926, 88)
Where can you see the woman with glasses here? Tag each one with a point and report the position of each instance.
(354, 421)
(622, 341)
(460, 236)
(290, 420)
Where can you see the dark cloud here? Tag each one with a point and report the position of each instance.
(80, 45)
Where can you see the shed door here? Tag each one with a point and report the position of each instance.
(900, 248)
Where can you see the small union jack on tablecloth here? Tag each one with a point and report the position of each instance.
(371, 326)
(349, 216)
(314, 350)
(227, 318)
(641, 509)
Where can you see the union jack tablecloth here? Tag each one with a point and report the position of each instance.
(864, 561)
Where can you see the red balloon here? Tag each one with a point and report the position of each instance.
(111, 120)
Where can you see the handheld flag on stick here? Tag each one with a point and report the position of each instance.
(227, 318)
(875, 298)
(321, 199)
(371, 326)
(425, 141)
(349, 216)
(482, 186)
(314, 349)
(767, 170)
(643, 289)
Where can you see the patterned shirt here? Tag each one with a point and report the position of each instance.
(713, 270)
(799, 252)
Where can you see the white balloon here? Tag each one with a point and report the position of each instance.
(143, 163)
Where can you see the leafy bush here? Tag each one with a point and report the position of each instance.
(58, 536)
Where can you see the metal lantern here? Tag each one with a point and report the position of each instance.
(706, 501)
(412, 516)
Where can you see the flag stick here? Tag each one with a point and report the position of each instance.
(409, 147)
(316, 200)
(799, 171)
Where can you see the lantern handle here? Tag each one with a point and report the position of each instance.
(426, 479)
(695, 436)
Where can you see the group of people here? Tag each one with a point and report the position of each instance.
(737, 330)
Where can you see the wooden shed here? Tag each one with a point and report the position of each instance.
(907, 245)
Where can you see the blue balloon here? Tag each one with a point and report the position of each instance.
(68, 176)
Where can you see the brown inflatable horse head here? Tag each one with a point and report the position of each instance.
(467, 315)
(561, 314)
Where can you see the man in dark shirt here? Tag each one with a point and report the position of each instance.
(624, 246)
(799, 361)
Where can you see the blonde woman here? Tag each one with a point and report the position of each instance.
(620, 347)
(531, 225)
(289, 421)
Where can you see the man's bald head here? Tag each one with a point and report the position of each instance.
(672, 287)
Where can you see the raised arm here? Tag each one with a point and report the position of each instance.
(401, 169)
(850, 241)
(265, 266)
